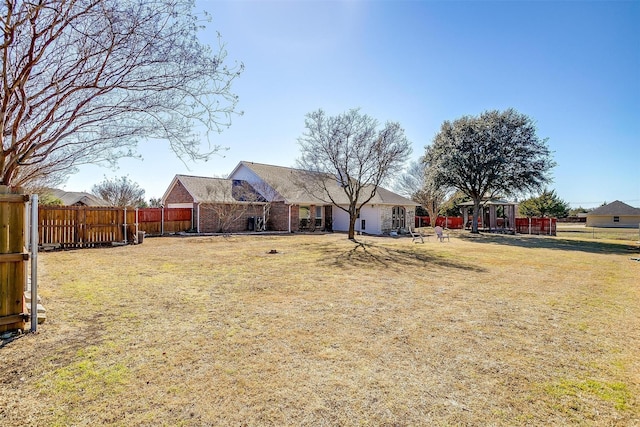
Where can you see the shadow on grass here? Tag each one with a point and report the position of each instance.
(550, 242)
(10, 338)
(365, 254)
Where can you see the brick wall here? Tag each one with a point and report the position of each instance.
(179, 194)
(227, 218)
(279, 217)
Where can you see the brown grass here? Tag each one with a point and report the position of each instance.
(482, 330)
(581, 231)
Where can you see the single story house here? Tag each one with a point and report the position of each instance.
(282, 199)
(311, 209)
(614, 214)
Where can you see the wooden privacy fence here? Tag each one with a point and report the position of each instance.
(545, 226)
(157, 221)
(81, 226)
(453, 222)
(86, 226)
(13, 259)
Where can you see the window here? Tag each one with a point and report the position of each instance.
(397, 217)
(305, 216)
(362, 224)
(318, 216)
(616, 219)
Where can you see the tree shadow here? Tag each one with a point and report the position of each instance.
(551, 242)
(368, 254)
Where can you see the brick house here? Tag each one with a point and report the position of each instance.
(265, 197)
(309, 209)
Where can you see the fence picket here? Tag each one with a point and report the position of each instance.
(13, 259)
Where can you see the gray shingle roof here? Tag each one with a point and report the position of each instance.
(615, 208)
(204, 189)
(70, 198)
(288, 183)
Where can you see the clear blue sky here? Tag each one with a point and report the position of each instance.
(573, 66)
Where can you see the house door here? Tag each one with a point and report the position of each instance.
(398, 215)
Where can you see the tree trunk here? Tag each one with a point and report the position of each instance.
(475, 217)
(352, 226)
(433, 213)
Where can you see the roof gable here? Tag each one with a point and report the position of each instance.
(615, 208)
(279, 181)
(205, 189)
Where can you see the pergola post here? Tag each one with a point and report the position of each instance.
(512, 218)
(493, 224)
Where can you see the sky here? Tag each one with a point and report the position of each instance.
(572, 66)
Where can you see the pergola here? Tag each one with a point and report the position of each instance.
(490, 221)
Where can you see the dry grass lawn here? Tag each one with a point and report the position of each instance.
(481, 330)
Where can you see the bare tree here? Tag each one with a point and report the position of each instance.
(231, 200)
(84, 80)
(155, 202)
(37, 178)
(349, 152)
(418, 184)
(120, 192)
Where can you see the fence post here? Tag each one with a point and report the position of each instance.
(162, 221)
(34, 262)
(124, 225)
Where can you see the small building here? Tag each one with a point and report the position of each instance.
(615, 214)
(495, 215)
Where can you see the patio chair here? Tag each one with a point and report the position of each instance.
(416, 236)
(440, 234)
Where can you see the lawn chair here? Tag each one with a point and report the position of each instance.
(440, 234)
(416, 235)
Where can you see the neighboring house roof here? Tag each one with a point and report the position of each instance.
(617, 208)
(204, 189)
(287, 182)
(71, 198)
(490, 202)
